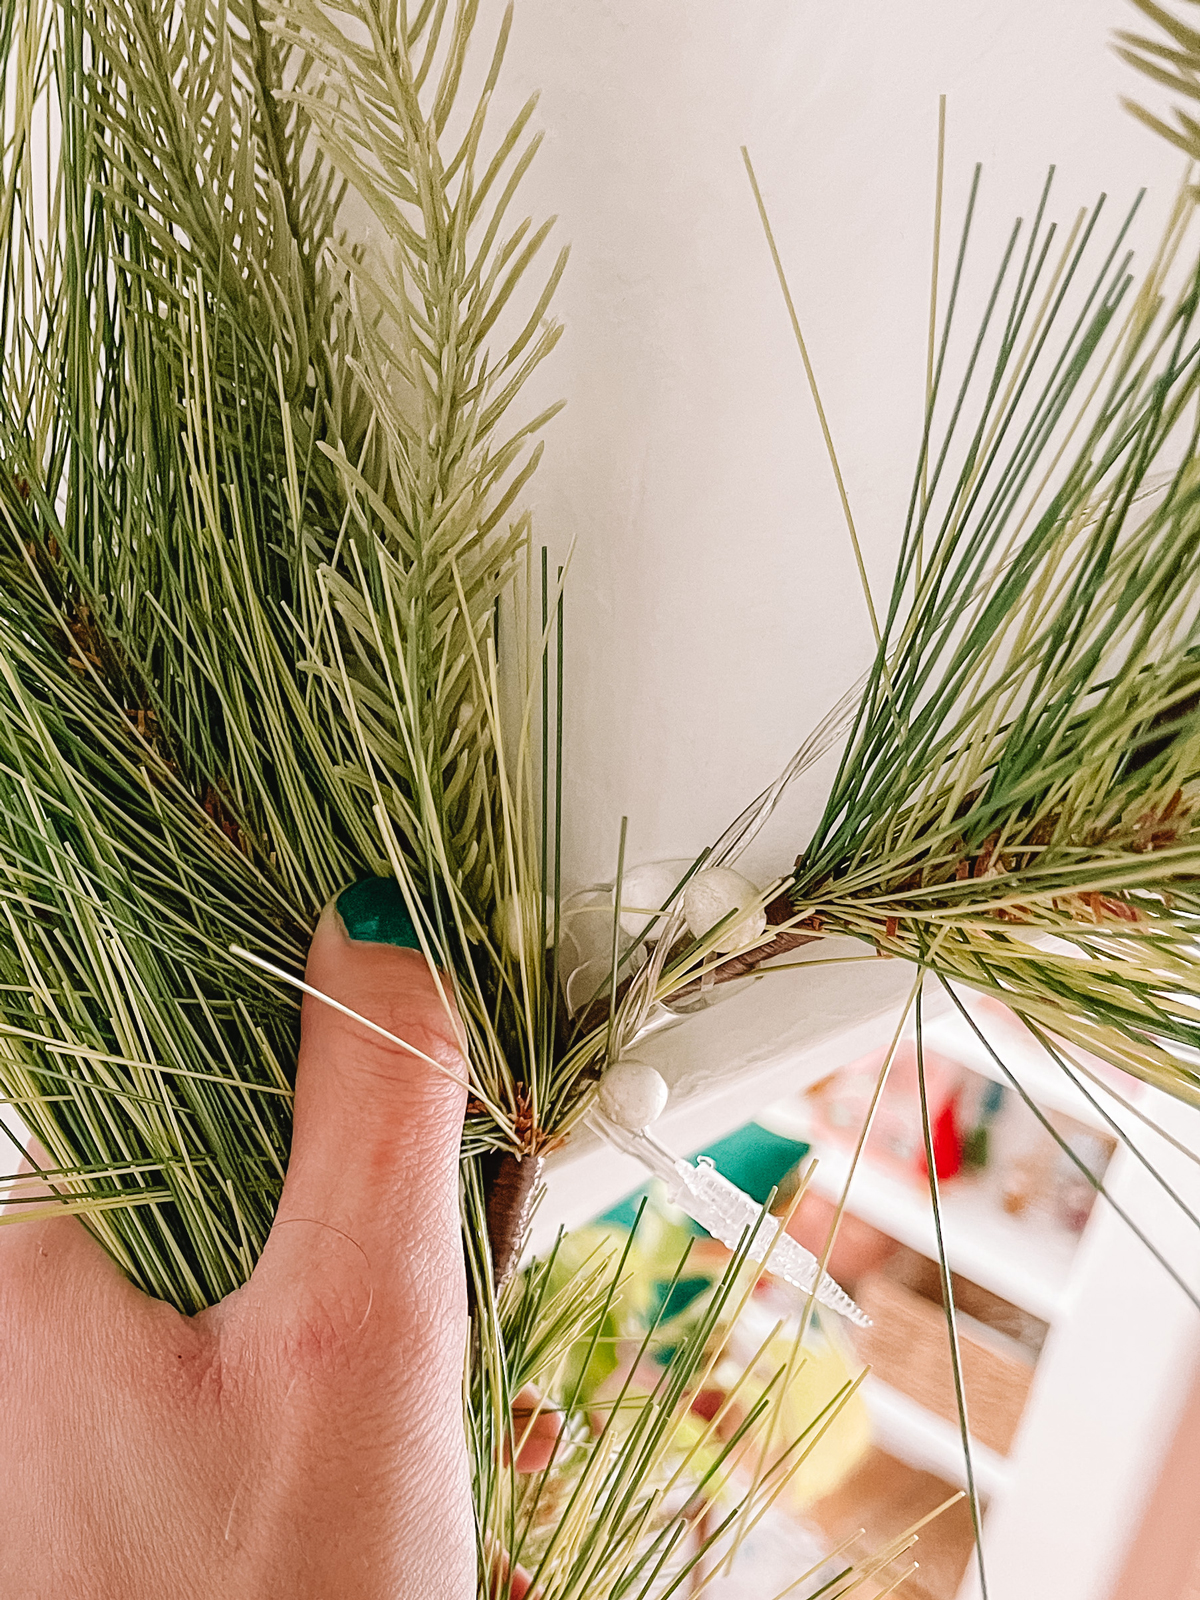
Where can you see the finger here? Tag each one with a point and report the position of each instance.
(354, 1320)
(511, 1583)
(79, 1340)
(536, 1429)
(28, 1183)
(45, 1251)
(377, 1123)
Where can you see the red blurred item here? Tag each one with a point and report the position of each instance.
(947, 1140)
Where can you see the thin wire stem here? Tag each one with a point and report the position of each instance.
(812, 384)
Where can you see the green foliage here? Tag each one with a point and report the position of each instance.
(1016, 804)
(1173, 62)
(643, 1490)
(258, 510)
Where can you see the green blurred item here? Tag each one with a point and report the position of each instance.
(752, 1157)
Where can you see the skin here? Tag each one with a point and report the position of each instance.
(303, 1438)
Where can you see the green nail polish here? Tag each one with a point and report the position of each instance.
(374, 911)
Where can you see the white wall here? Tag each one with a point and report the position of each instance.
(714, 612)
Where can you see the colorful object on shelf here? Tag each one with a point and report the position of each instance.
(981, 1134)
(656, 1292)
(756, 1159)
(977, 1138)
(946, 1139)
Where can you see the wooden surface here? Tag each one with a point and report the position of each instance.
(883, 1498)
(908, 1346)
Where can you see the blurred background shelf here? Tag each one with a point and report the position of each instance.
(1041, 1078)
(909, 1432)
(1029, 1266)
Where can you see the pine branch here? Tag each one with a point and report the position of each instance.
(277, 580)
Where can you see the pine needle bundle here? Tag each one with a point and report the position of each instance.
(1016, 803)
(253, 567)
(1015, 806)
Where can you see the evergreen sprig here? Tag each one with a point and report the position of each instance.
(1016, 806)
(259, 507)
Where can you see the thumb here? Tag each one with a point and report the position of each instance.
(352, 1329)
(377, 1127)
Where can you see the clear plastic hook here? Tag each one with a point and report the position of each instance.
(725, 1211)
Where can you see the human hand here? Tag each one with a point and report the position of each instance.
(303, 1438)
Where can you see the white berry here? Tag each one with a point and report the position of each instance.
(632, 1095)
(712, 895)
(646, 889)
